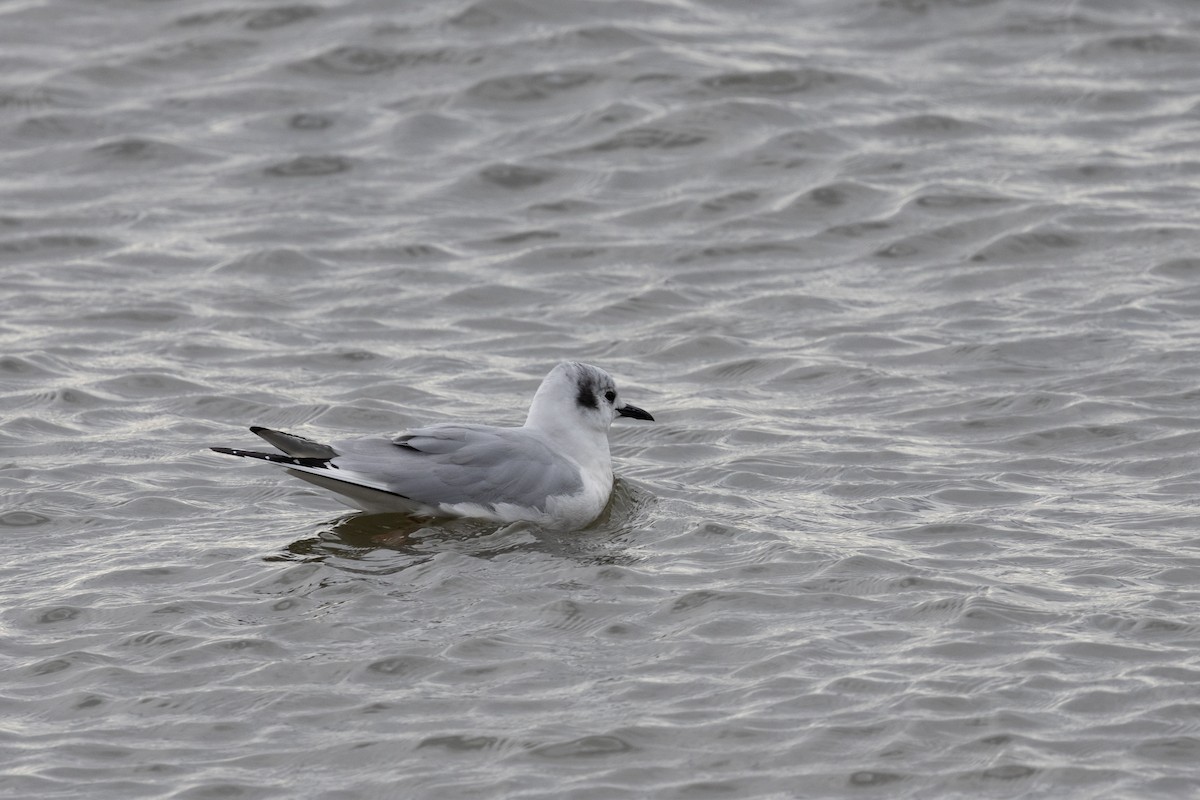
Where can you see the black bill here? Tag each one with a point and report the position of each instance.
(634, 412)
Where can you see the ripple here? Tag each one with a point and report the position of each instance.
(404, 667)
(60, 614)
(309, 167)
(31, 97)
(59, 126)
(780, 82)
(133, 149)
(22, 519)
(1139, 45)
(274, 262)
(355, 61)
(265, 19)
(530, 88)
(53, 242)
(189, 54)
(51, 666)
(872, 778)
(149, 384)
(359, 61)
(279, 16)
(311, 122)
(960, 202)
(1025, 246)
(1178, 269)
(650, 139)
(462, 743)
(929, 125)
(584, 747)
(516, 177)
(1008, 772)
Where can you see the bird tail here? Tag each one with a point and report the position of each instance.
(310, 461)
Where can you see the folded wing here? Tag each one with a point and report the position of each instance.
(455, 464)
(429, 471)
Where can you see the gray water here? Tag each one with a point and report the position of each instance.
(911, 286)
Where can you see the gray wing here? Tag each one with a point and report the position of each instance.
(449, 464)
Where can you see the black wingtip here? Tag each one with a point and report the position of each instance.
(276, 458)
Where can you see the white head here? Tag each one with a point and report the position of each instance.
(577, 396)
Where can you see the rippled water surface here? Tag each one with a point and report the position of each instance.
(911, 286)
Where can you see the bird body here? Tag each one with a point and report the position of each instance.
(555, 470)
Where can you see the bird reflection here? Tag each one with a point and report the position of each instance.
(385, 543)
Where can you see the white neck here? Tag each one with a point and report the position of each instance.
(585, 444)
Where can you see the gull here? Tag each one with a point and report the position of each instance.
(554, 471)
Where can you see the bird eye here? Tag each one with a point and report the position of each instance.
(610, 395)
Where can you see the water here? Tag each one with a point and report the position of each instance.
(911, 286)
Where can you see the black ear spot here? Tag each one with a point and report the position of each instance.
(586, 397)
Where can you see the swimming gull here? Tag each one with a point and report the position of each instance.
(555, 470)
